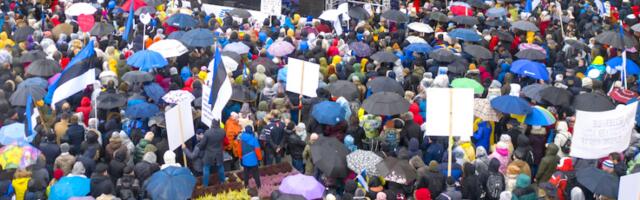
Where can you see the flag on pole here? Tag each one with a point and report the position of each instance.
(29, 124)
(127, 28)
(220, 85)
(79, 73)
(602, 9)
(624, 57)
(531, 5)
(362, 180)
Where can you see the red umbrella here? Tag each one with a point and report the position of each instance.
(86, 22)
(136, 4)
(323, 28)
(622, 95)
(461, 9)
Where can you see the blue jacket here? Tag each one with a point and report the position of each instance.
(482, 135)
(248, 144)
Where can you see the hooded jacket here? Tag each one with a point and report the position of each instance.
(493, 189)
(524, 190)
(85, 109)
(562, 136)
(548, 164)
(470, 182)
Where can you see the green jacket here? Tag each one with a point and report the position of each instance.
(548, 164)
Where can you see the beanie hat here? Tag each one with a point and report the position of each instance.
(149, 136)
(587, 83)
(169, 157)
(58, 173)
(101, 168)
(607, 164)
(433, 166)
(423, 194)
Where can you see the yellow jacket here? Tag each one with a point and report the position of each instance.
(20, 187)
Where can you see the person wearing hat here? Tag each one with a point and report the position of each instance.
(101, 182)
(65, 160)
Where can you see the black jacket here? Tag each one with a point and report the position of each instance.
(117, 165)
(436, 182)
(75, 133)
(274, 132)
(295, 146)
(470, 183)
(411, 130)
(144, 170)
(101, 184)
(211, 144)
(50, 150)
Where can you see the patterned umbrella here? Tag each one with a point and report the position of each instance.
(361, 49)
(396, 170)
(281, 48)
(176, 96)
(14, 156)
(539, 116)
(483, 110)
(364, 160)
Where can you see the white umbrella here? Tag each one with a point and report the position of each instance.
(420, 27)
(177, 96)
(237, 47)
(80, 8)
(415, 39)
(169, 48)
(330, 15)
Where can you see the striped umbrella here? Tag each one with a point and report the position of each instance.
(539, 116)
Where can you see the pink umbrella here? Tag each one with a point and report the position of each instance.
(524, 46)
(461, 9)
(292, 185)
(86, 22)
(281, 48)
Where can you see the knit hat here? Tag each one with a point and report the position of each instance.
(64, 148)
(433, 166)
(149, 136)
(607, 164)
(169, 157)
(101, 168)
(58, 173)
(149, 157)
(78, 168)
(587, 83)
(173, 71)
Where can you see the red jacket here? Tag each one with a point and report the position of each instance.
(85, 109)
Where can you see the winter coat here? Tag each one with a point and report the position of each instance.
(75, 132)
(117, 164)
(482, 135)
(212, 145)
(524, 190)
(524, 150)
(144, 170)
(562, 136)
(538, 140)
(308, 160)
(115, 143)
(504, 160)
(411, 130)
(65, 162)
(50, 150)
(88, 163)
(101, 184)
(20, 187)
(250, 150)
(470, 183)
(232, 129)
(436, 181)
(482, 160)
(494, 182)
(450, 194)
(85, 109)
(127, 187)
(548, 164)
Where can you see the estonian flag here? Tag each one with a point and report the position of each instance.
(220, 86)
(31, 115)
(79, 73)
(127, 28)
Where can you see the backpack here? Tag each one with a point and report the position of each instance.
(566, 147)
(495, 186)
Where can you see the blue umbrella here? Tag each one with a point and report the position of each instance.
(13, 133)
(147, 60)
(176, 35)
(328, 112)
(360, 49)
(70, 186)
(465, 34)
(35, 81)
(282, 74)
(511, 104)
(141, 110)
(616, 62)
(539, 116)
(531, 69)
(154, 91)
(181, 20)
(198, 38)
(419, 47)
(171, 183)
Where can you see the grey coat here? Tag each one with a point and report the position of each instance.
(212, 145)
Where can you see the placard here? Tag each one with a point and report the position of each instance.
(271, 7)
(443, 117)
(308, 78)
(179, 120)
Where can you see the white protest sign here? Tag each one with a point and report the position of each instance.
(207, 113)
(596, 134)
(179, 120)
(299, 80)
(449, 110)
(271, 7)
(629, 187)
(145, 18)
(220, 11)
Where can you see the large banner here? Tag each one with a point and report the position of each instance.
(271, 7)
(299, 80)
(179, 121)
(449, 110)
(596, 134)
(220, 11)
(629, 187)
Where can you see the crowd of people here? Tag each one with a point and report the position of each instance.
(406, 48)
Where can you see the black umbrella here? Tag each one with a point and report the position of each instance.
(458, 66)
(111, 100)
(154, 3)
(504, 36)
(146, 10)
(531, 54)
(385, 103)
(242, 93)
(385, 84)
(577, 44)
(101, 29)
(241, 13)
(598, 181)
(358, 13)
(525, 26)
(329, 156)
(496, 23)
(593, 102)
(44, 68)
(395, 15)
(344, 89)
(269, 66)
(384, 56)
(556, 96)
(396, 170)
(614, 39)
(439, 17)
(19, 97)
(32, 56)
(478, 4)
(22, 33)
(466, 20)
(477, 51)
(442, 55)
(137, 77)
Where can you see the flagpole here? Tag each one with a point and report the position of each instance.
(560, 18)
(623, 76)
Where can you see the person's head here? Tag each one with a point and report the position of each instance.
(169, 157)
(64, 148)
(450, 181)
(149, 157)
(78, 168)
(101, 169)
(615, 157)
(73, 119)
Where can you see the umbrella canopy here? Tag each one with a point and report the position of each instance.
(385, 84)
(176, 35)
(531, 54)
(154, 91)
(531, 69)
(22, 33)
(483, 110)
(169, 48)
(242, 93)
(439, 17)
(577, 44)
(539, 116)
(511, 104)
(198, 38)
(177, 96)
(420, 27)
(171, 183)
(395, 15)
(14, 156)
(636, 27)
(154, 2)
(613, 38)
(70, 186)
(468, 83)
(386, 103)
(345, 89)
(19, 97)
(65, 28)
(504, 36)
(44, 68)
(458, 66)
(384, 56)
(477, 51)
(525, 26)
(13, 133)
(396, 170)
(593, 102)
(182, 21)
(137, 77)
(361, 160)
(631, 67)
(281, 48)
(145, 10)
(478, 4)
(33, 56)
(81, 9)
(241, 13)
(330, 15)
(136, 5)
(598, 181)
(622, 95)
(466, 20)
(111, 100)
(102, 29)
(34, 81)
(556, 96)
(268, 64)
(496, 23)
(312, 188)
(237, 47)
(147, 60)
(327, 112)
(358, 13)
(329, 157)
(361, 49)
(141, 110)
(442, 55)
(459, 8)
(496, 12)
(533, 91)
(415, 39)
(418, 47)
